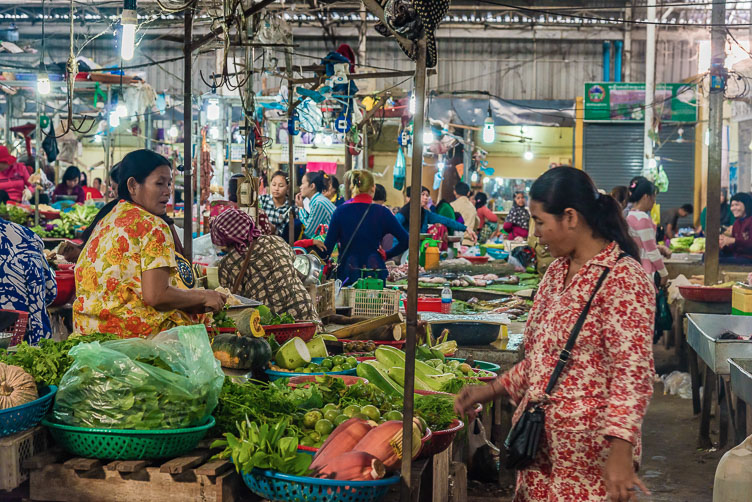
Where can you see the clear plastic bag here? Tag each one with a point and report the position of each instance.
(168, 381)
(677, 383)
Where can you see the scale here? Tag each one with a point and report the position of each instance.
(369, 280)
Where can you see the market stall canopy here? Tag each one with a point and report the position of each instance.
(473, 111)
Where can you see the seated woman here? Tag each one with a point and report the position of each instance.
(26, 282)
(517, 223)
(276, 203)
(736, 243)
(269, 275)
(358, 229)
(320, 209)
(487, 220)
(69, 186)
(128, 281)
(89, 192)
(14, 177)
(427, 217)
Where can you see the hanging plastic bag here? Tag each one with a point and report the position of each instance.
(399, 170)
(168, 381)
(663, 318)
(484, 456)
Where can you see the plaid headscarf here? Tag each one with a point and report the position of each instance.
(234, 228)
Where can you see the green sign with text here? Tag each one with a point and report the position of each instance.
(625, 102)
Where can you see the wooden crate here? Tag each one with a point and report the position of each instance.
(56, 476)
(15, 450)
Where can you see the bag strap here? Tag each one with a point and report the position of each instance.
(243, 269)
(567, 351)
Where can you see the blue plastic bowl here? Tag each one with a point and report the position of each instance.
(276, 375)
(24, 417)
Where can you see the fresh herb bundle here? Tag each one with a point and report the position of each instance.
(436, 409)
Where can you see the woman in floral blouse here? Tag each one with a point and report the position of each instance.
(127, 279)
(590, 449)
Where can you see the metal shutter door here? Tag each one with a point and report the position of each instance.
(613, 155)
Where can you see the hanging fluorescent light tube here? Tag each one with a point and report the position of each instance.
(128, 22)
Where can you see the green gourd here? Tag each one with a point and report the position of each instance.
(235, 351)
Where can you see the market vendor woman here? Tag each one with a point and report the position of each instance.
(590, 446)
(127, 278)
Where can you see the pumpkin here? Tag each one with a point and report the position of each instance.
(235, 351)
(16, 387)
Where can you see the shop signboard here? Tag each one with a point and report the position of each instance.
(625, 102)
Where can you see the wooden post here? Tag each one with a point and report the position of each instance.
(187, 126)
(715, 124)
(412, 281)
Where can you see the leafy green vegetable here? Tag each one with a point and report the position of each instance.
(49, 360)
(436, 409)
(222, 320)
(269, 318)
(681, 243)
(264, 447)
(14, 214)
(455, 385)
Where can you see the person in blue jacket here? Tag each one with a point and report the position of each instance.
(427, 217)
(358, 228)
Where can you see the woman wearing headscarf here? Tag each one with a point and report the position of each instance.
(14, 177)
(736, 243)
(269, 276)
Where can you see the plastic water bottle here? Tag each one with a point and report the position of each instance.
(446, 300)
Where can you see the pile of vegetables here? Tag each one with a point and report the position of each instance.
(269, 318)
(359, 347)
(80, 215)
(296, 356)
(17, 387)
(388, 373)
(315, 409)
(14, 214)
(681, 244)
(222, 320)
(48, 361)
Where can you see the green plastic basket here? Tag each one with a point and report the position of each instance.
(120, 444)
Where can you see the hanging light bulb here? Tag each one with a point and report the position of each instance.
(411, 104)
(428, 136)
(114, 118)
(528, 155)
(214, 132)
(97, 138)
(328, 139)
(173, 131)
(489, 131)
(652, 163)
(128, 21)
(440, 164)
(212, 110)
(121, 110)
(43, 84)
(474, 177)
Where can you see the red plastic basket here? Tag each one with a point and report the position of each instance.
(429, 305)
(706, 294)
(66, 287)
(398, 344)
(19, 329)
(284, 332)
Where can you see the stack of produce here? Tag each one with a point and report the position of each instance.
(388, 373)
(14, 214)
(297, 356)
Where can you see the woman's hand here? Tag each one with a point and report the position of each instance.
(664, 281)
(725, 241)
(299, 200)
(319, 245)
(619, 474)
(213, 301)
(464, 403)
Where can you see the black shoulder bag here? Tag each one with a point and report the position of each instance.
(523, 441)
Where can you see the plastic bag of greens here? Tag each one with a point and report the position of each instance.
(168, 381)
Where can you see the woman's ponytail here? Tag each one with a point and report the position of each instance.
(562, 188)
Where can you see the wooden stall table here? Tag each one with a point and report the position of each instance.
(506, 352)
(704, 344)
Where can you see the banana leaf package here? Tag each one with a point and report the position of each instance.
(168, 381)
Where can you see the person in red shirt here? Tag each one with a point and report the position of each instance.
(14, 176)
(487, 220)
(89, 192)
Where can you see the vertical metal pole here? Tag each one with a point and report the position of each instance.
(149, 130)
(627, 57)
(291, 155)
(187, 130)
(715, 124)
(37, 148)
(412, 274)
(8, 115)
(649, 86)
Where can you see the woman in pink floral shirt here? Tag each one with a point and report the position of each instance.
(590, 449)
